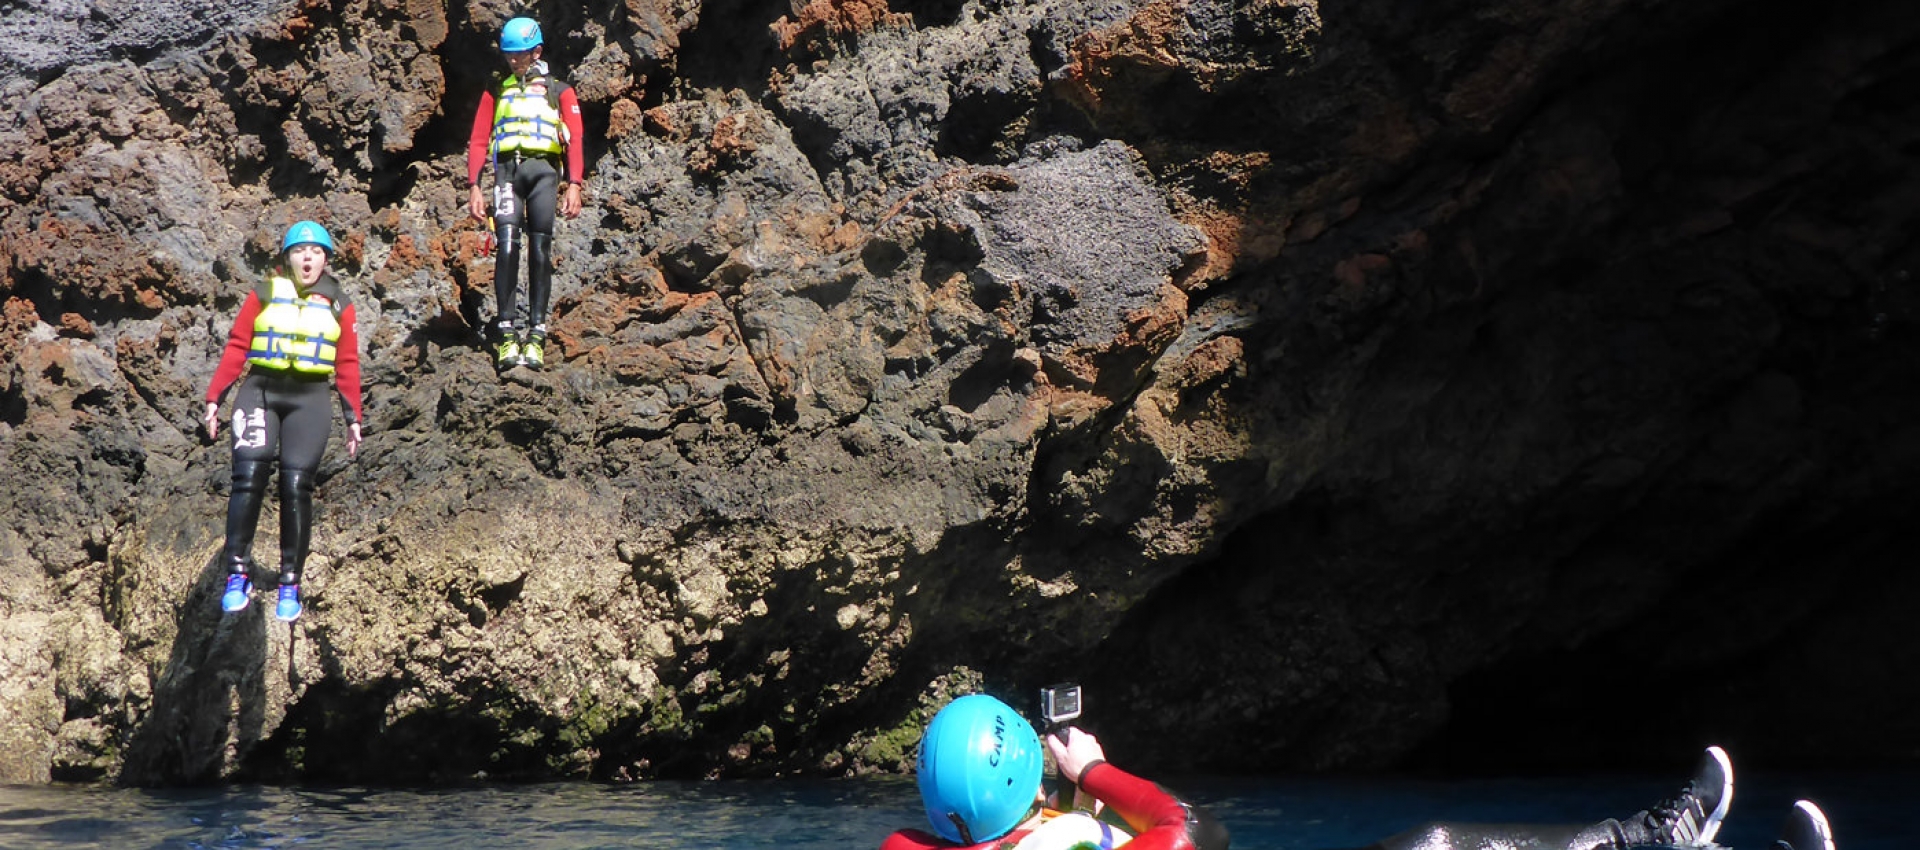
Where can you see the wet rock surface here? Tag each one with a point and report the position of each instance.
(1325, 385)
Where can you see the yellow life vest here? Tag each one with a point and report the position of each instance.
(295, 331)
(526, 117)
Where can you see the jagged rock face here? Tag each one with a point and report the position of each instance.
(1325, 384)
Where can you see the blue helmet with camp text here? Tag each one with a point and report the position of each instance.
(979, 769)
(307, 233)
(520, 34)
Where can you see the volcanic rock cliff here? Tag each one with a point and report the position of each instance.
(1323, 383)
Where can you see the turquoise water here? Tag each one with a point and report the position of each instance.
(1870, 812)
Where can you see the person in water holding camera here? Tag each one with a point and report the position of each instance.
(979, 777)
(980, 767)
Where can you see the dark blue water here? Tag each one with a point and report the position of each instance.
(1869, 812)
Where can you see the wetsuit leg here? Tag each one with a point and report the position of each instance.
(1637, 830)
(509, 218)
(539, 280)
(243, 511)
(506, 276)
(296, 522)
(538, 184)
(256, 442)
(1604, 835)
(307, 422)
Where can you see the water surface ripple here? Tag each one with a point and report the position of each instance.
(1870, 812)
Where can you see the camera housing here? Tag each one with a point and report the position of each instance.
(1059, 705)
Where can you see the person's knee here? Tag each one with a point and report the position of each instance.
(250, 476)
(296, 484)
(539, 266)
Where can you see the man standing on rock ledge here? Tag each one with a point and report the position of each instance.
(526, 122)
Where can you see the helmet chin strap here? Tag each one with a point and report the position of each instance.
(966, 835)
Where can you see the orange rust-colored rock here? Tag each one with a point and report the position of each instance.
(835, 18)
(1233, 240)
(1143, 43)
(729, 145)
(624, 118)
(74, 324)
(17, 318)
(407, 257)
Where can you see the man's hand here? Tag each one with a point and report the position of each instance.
(212, 419)
(1074, 750)
(570, 202)
(477, 203)
(353, 439)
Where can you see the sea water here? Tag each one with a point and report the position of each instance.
(1869, 812)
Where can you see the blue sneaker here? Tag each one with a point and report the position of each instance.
(288, 608)
(239, 593)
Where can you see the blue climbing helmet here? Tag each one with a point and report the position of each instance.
(979, 769)
(307, 233)
(520, 34)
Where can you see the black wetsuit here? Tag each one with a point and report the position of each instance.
(283, 416)
(534, 183)
(288, 417)
(1610, 834)
(526, 189)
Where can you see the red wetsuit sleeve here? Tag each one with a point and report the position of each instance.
(1160, 821)
(914, 839)
(346, 364)
(234, 359)
(481, 139)
(576, 152)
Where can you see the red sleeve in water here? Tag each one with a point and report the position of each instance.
(1159, 820)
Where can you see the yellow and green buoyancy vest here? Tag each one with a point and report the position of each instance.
(297, 331)
(526, 116)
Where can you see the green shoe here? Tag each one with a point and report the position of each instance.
(534, 354)
(508, 355)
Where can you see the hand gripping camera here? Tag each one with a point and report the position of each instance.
(1059, 707)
